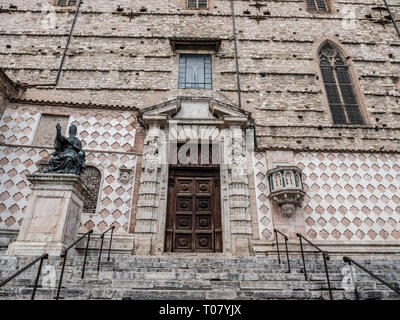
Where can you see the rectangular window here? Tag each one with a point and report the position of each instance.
(65, 3)
(322, 5)
(317, 5)
(197, 4)
(195, 71)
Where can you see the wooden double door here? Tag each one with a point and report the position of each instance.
(194, 210)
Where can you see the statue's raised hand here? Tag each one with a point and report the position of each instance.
(58, 127)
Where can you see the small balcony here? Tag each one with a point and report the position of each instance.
(286, 188)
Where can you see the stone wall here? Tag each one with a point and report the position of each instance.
(350, 197)
(114, 57)
(120, 60)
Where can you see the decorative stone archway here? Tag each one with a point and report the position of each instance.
(187, 119)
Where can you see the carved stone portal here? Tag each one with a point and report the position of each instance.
(187, 120)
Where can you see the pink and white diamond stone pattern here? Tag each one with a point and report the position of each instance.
(98, 130)
(17, 126)
(15, 164)
(115, 199)
(351, 196)
(105, 131)
(263, 203)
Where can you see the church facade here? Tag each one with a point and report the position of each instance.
(208, 124)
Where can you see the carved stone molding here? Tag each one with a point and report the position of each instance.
(125, 175)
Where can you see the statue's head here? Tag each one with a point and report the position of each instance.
(73, 130)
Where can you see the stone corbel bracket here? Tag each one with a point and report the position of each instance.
(286, 188)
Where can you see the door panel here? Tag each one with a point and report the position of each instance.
(204, 243)
(184, 204)
(203, 222)
(194, 215)
(203, 186)
(183, 242)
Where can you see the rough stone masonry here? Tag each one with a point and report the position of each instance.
(123, 61)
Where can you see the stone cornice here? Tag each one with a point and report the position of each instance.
(73, 104)
(336, 150)
(62, 180)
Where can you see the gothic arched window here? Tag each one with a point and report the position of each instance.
(338, 82)
(91, 177)
(317, 5)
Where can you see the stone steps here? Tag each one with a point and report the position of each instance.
(166, 277)
(195, 284)
(260, 267)
(208, 277)
(157, 294)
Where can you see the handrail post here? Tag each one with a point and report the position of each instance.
(101, 249)
(387, 284)
(327, 275)
(62, 274)
(65, 258)
(41, 258)
(84, 260)
(37, 277)
(353, 279)
(277, 246)
(109, 248)
(302, 256)
(287, 254)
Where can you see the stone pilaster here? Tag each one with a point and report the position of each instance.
(240, 216)
(148, 202)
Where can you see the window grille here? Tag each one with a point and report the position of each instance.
(195, 71)
(317, 5)
(91, 177)
(197, 4)
(339, 87)
(65, 3)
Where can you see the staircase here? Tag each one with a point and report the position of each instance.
(176, 277)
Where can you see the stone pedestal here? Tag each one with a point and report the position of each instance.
(52, 217)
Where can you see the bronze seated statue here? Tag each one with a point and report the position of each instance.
(69, 157)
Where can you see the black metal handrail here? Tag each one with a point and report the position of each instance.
(41, 258)
(325, 256)
(101, 246)
(64, 255)
(277, 247)
(351, 261)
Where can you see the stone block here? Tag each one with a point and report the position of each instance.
(142, 245)
(52, 216)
